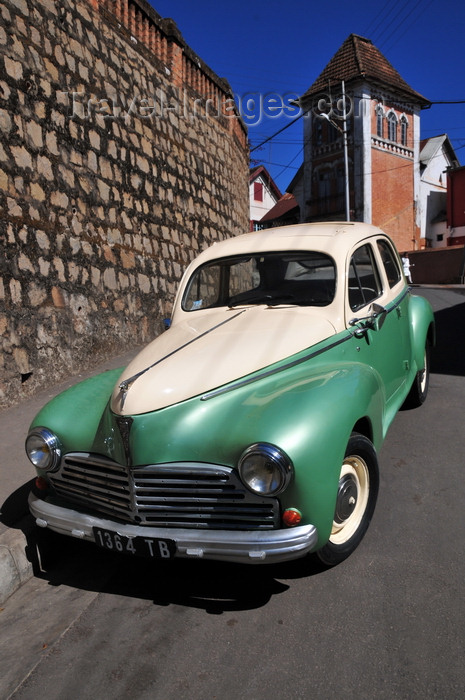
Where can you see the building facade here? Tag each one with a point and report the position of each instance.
(437, 157)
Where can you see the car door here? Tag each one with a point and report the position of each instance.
(375, 286)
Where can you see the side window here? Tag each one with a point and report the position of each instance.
(364, 280)
(390, 262)
(204, 289)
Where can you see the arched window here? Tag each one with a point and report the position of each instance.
(380, 122)
(392, 126)
(403, 130)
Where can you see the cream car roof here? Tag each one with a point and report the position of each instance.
(334, 238)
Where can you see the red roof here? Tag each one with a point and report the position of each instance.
(357, 59)
(282, 206)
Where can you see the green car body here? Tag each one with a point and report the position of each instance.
(343, 390)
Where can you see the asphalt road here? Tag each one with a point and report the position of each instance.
(388, 623)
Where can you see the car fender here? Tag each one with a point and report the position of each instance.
(422, 326)
(74, 414)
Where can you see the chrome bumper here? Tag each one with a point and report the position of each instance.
(246, 547)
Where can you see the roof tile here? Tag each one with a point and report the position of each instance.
(357, 59)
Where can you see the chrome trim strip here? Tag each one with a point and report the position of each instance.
(246, 547)
(126, 383)
(274, 370)
(269, 372)
(399, 301)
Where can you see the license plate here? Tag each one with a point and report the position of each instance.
(149, 547)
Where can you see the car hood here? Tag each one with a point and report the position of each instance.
(211, 349)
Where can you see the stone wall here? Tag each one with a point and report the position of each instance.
(121, 156)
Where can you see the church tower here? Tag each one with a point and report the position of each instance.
(382, 125)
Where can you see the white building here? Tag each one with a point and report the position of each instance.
(264, 194)
(436, 157)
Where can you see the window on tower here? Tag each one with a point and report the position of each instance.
(380, 122)
(392, 126)
(403, 130)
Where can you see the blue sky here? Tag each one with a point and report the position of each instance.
(279, 47)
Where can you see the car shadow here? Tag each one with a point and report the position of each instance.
(213, 586)
(448, 356)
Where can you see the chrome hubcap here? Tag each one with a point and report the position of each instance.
(346, 498)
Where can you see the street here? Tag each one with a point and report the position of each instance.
(387, 623)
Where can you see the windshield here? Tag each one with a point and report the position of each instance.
(301, 278)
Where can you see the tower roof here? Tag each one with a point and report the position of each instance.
(359, 59)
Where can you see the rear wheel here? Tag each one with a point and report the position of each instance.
(419, 389)
(355, 502)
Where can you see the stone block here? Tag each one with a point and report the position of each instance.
(59, 200)
(94, 140)
(14, 210)
(42, 240)
(23, 158)
(13, 68)
(58, 298)
(144, 283)
(51, 143)
(5, 121)
(36, 294)
(34, 134)
(109, 279)
(44, 267)
(37, 192)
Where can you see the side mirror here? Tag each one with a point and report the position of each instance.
(378, 317)
(374, 321)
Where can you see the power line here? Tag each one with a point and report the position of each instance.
(407, 27)
(392, 20)
(286, 126)
(382, 16)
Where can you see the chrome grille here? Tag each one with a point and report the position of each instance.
(186, 494)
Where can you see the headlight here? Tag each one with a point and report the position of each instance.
(43, 449)
(265, 469)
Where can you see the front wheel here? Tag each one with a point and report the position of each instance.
(355, 501)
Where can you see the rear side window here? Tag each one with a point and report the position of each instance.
(390, 262)
(364, 279)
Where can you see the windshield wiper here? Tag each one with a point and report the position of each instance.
(266, 299)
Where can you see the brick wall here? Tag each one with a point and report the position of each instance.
(392, 165)
(121, 156)
(393, 197)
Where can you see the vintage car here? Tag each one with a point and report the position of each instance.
(249, 430)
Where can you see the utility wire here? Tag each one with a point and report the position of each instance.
(382, 17)
(396, 29)
(286, 126)
(386, 27)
